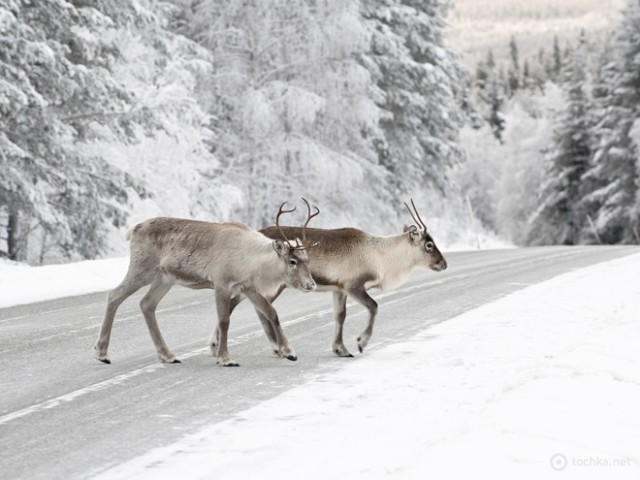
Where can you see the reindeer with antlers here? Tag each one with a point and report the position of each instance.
(349, 262)
(229, 257)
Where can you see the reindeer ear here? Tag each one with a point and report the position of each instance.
(281, 248)
(414, 234)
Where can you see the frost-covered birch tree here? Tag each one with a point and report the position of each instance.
(291, 106)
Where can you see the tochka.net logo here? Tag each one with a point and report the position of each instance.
(560, 462)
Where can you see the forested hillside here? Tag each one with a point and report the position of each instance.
(553, 146)
(114, 111)
(477, 26)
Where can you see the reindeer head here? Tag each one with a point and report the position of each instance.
(294, 255)
(428, 254)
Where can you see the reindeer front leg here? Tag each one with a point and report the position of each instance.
(264, 321)
(267, 325)
(214, 340)
(263, 306)
(223, 305)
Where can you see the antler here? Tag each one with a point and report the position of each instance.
(281, 210)
(304, 227)
(416, 217)
(297, 245)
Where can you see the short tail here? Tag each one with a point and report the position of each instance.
(129, 232)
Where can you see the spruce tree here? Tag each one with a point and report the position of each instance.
(560, 218)
(514, 67)
(421, 86)
(71, 106)
(613, 179)
(53, 83)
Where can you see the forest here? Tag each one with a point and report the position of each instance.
(113, 111)
(556, 140)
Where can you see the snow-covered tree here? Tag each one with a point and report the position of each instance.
(513, 81)
(51, 81)
(421, 84)
(613, 179)
(560, 218)
(97, 102)
(491, 93)
(554, 69)
(292, 108)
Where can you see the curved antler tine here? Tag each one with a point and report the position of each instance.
(418, 215)
(281, 210)
(309, 217)
(411, 213)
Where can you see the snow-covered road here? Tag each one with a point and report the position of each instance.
(496, 365)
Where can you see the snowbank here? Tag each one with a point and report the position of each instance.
(21, 284)
(544, 383)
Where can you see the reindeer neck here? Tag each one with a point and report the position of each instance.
(396, 260)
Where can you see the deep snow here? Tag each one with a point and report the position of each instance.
(544, 383)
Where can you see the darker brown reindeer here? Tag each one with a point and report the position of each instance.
(349, 262)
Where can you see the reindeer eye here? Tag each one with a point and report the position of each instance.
(292, 262)
(428, 246)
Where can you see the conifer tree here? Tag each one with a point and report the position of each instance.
(421, 84)
(556, 66)
(612, 178)
(513, 81)
(72, 101)
(52, 84)
(560, 218)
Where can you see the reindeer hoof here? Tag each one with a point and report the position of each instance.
(342, 352)
(363, 341)
(105, 360)
(293, 358)
(227, 363)
(176, 361)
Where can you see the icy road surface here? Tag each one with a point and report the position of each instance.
(65, 415)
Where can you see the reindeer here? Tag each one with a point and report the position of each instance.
(230, 257)
(349, 262)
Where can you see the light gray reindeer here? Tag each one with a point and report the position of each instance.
(349, 262)
(229, 257)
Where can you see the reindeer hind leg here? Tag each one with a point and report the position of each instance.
(158, 289)
(131, 284)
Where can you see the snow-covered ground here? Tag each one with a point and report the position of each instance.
(544, 383)
(21, 284)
